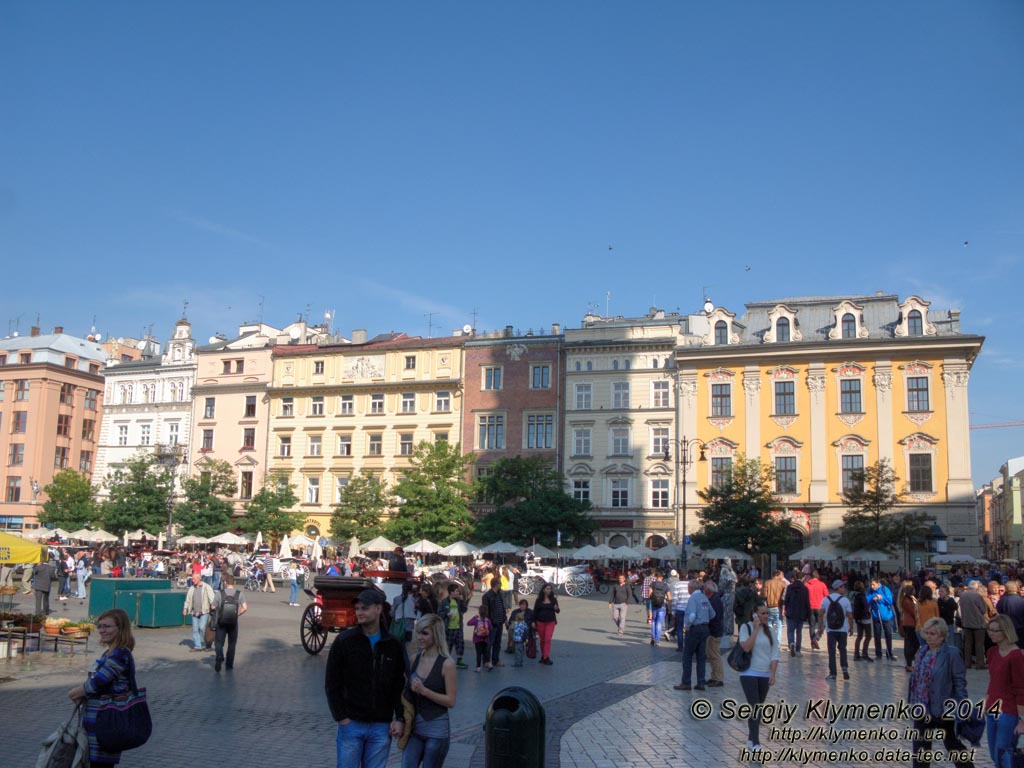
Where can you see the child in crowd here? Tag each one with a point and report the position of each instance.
(481, 632)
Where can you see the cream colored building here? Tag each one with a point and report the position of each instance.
(231, 406)
(338, 409)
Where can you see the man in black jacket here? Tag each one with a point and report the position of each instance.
(796, 607)
(498, 613)
(364, 682)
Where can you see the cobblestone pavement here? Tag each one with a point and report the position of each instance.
(609, 700)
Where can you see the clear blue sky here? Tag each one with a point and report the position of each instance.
(393, 159)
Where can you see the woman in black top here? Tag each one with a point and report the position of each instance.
(544, 610)
(432, 686)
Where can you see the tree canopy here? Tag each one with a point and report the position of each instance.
(738, 512)
(205, 510)
(433, 496)
(531, 504)
(361, 508)
(71, 502)
(270, 511)
(870, 496)
(138, 494)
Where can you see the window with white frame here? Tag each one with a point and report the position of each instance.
(287, 406)
(540, 376)
(144, 433)
(659, 441)
(284, 446)
(853, 473)
(584, 396)
(209, 408)
(375, 446)
(316, 445)
(377, 403)
(250, 407)
(312, 490)
(408, 402)
(317, 406)
(619, 439)
(917, 394)
(340, 483)
(491, 432)
(721, 399)
(581, 490)
(346, 405)
(318, 366)
(172, 432)
(539, 430)
(581, 442)
(915, 323)
(848, 325)
(659, 494)
(405, 444)
(782, 329)
(492, 377)
(245, 485)
(344, 445)
(659, 394)
(410, 362)
(443, 401)
(620, 394)
(619, 492)
(785, 474)
(122, 434)
(721, 333)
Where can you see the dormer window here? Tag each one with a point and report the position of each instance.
(782, 325)
(782, 329)
(849, 325)
(915, 325)
(721, 333)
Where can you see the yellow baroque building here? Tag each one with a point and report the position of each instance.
(340, 409)
(822, 387)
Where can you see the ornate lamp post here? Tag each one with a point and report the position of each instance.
(171, 456)
(684, 458)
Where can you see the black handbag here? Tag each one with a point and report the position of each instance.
(123, 721)
(739, 659)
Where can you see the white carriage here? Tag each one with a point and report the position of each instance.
(574, 579)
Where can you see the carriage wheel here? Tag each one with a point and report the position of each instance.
(574, 586)
(525, 586)
(312, 631)
(588, 584)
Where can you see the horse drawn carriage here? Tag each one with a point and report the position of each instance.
(333, 606)
(574, 579)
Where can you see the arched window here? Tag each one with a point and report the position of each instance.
(579, 367)
(615, 365)
(849, 326)
(654, 362)
(782, 329)
(915, 326)
(721, 332)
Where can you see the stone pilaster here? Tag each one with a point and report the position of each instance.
(819, 434)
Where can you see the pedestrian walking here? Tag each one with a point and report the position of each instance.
(619, 603)
(481, 625)
(716, 630)
(796, 607)
(836, 616)
(759, 641)
(230, 606)
(659, 598)
(364, 680)
(199, 601)
(432, 688)
(545, 610)
(906, 601)
(497, 611)
(862, 621)
(451, 609)
(292, 574)
(1005, 694)
(112, 674)
(42, 583)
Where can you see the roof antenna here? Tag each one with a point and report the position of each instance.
(430, 323)
(608, 304)
(259, 312)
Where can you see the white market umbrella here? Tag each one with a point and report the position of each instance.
(644, 551)
(138, 534)
(226, 538)
(588, 552)
(190, 539)
(423, 547)
(627, 553)
(379, 544)
(102, 535)
(259, 540)
(816, 552)
(82, 534)
(459, 549)
(318, 551)
(501, 548)
(300, 540)
(668, 552)
(954, 559)
(541, 551)
(285, 550)
(868, 555)
(722, 553)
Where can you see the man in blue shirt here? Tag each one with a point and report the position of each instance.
(696, 619)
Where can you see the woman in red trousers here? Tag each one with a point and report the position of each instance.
(544, 618)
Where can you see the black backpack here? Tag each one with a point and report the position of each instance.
(835, 618)
(658, 590)
(227, 614)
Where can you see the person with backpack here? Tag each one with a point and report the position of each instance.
(450, 609)
(862, 618)
(836, 615)
(230, 605)
(481, 625)
(659, 596)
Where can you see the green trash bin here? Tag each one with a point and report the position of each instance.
(515, 730)
(103, 588)
(128, 599)
(162, 608)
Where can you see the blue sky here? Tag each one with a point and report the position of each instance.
(516, 160)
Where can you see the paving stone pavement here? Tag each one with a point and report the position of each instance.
(608, 700)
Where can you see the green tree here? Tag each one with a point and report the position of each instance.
(71, 502)
(361, 509)
(531, 504)
(870, 497)
(906, 529)
(270, 510)
(205, 511)
(138, 493)
(433, 496)
(738, 512)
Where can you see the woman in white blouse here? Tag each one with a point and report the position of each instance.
(758, 639)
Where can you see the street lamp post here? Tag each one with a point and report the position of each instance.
(171, 456)
(684, 458)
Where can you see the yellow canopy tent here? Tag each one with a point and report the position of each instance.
(16, 550)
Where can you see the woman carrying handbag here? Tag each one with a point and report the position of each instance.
(111, 697)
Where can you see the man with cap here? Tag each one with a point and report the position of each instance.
(364, 681)
(836, 616)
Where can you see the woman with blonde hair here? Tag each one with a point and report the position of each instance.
(432, 688)
(112, 674)
(1005, 687)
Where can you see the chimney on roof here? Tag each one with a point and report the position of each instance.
(35, 331)
(359, 336)
(954, 320)
(58, 329)
(556, 329)
(508, 330)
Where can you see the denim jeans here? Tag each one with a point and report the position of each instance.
(880, 628)
(363, 745)
(836, 641)
(657, 623)
(293, 594)
(795, 634)
(428, 752)
(199, 630)
(999, 731)
(80, 586)
(216, 581)
(680, 632)
(696, 644)
(775, 624)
